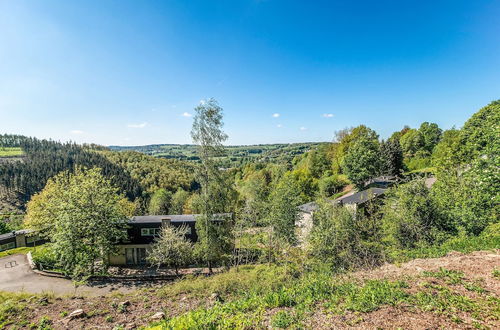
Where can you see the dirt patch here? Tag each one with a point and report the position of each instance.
(468, 280)
(475, 266)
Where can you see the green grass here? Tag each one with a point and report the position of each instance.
(14, 308)
(10, 152)
(21, 250)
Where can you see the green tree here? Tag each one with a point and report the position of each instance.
(411, 143)
(446, 152)
(431, 135)
(480, 135)
(362, 162)
(160, 202)
(179, 199)
(171, 248)
(214, 237)
(411, 217)
(391, 157)
(82, 213)
(3, 227)
(330, 185)
(283, 210)
(344, 239)
(469, 196)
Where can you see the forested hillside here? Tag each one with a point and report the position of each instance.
(235, 155)
(21, 178)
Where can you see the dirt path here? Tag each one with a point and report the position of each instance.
(17, 276)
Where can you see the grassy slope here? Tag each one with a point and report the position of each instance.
(289, 296)
(10, 152)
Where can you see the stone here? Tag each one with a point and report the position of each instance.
(76, 314)
(124, 303)
(158, 316)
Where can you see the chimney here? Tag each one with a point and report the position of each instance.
(165, 222)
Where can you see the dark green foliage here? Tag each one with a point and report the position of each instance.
(44, 159)
(391, 156)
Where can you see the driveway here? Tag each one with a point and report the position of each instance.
(17, 276)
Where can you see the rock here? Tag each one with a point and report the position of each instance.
(76, 314)
(214, 297)
(130, 326)
(124, 303)
(158, 316)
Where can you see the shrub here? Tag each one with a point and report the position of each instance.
(345, 239)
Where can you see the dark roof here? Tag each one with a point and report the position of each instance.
(173, 218)
(7, 235)
(13, 234)
(308, 207)
(363, 196)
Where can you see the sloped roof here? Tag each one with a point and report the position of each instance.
(171, 217)
(363, 196)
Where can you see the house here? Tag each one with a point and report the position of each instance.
(142, 232)
(19, 238)
(360, 199)
(354, 202)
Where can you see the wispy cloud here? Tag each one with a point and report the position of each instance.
(276, 115)
(76, 132)
(327, 115)
(302, 128)
(279, 126)
(141, 125)
(186, 114)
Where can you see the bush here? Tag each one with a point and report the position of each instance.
(344, 238)
(44, 257)
(411, 218)
(331, 185)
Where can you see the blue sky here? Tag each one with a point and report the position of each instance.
(130, 72)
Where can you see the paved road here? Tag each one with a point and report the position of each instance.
(16, 276)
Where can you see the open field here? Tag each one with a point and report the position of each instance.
(10, 152)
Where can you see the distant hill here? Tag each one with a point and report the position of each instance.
(281, 152)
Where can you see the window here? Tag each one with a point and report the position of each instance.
(32, 239)
(7, 246)
(150, 231)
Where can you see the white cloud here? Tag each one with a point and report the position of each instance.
(76, 132)
(276, 115)
(141, 125)
(327, 115)
(279, 126)
(186, 114)
(302, 128)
